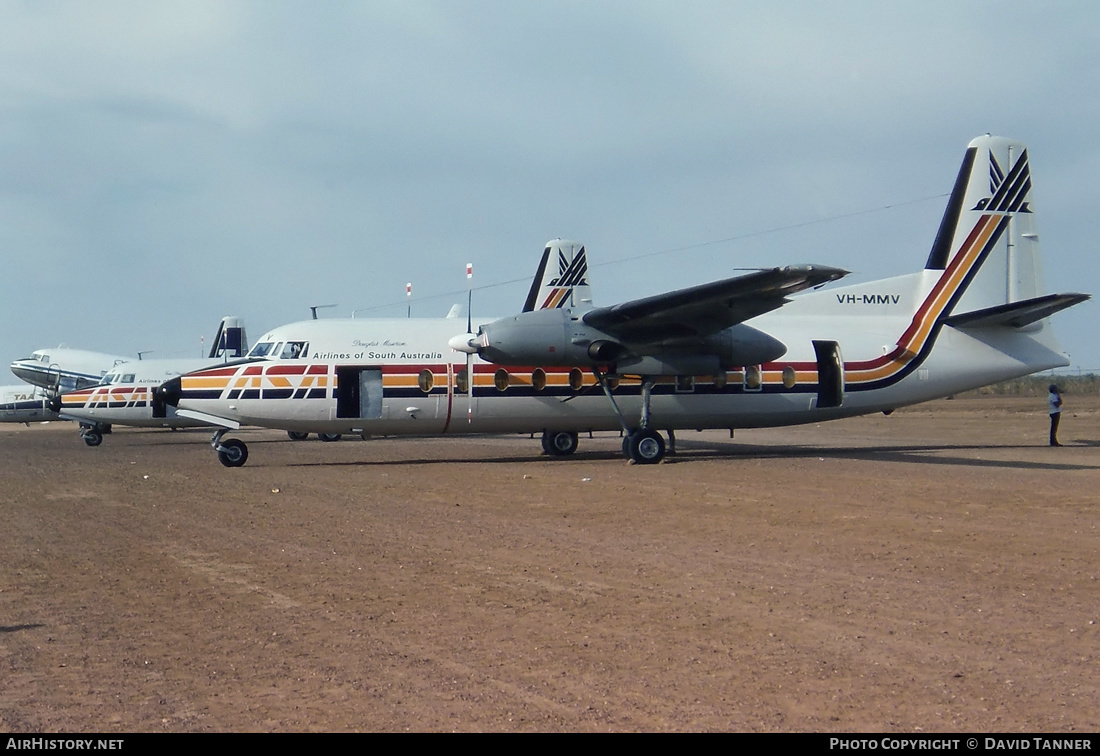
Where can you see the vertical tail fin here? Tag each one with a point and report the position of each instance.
(230, 341)
(987, 245)
(562, 278)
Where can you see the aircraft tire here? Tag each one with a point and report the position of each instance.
(329, 436)
(93, 438)
(233, 453)
(559, 443)
(647, 447)
(297, 435)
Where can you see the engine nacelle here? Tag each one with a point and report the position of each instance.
(540, 337)
(560, 338)
(743, 345)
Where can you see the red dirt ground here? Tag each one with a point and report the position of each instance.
(935, 570)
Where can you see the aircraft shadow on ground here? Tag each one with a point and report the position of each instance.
(17, 628)
(691, 451)
(928, 454)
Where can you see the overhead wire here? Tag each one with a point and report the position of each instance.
(684, 248)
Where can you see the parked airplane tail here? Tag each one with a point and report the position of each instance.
(988, 244)
(562, 278)
(230, 342)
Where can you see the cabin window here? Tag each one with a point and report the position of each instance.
(501, 379)
(685, 384)
(462, 383)
(538, 379)
(790, 377)
(128, 378)
(426, 380)
(720, 380)
(576, 379)
(753, 378)
(612, 383)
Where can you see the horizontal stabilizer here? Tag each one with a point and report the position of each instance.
(1017, 314)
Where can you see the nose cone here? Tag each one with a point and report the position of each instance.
(169, 391)
(23, 371)
(464, 342)
(54, 404)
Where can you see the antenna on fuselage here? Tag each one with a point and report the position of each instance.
(314, 308)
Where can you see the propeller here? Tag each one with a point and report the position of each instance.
(468, 344)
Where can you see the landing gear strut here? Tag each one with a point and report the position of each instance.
(641, 445)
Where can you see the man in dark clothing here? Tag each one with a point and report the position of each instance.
(1055, 402)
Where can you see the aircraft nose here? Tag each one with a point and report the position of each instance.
(54, 404)
(169, 391)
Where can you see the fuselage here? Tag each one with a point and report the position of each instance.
(398, 377)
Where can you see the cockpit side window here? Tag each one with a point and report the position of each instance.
(293, 350)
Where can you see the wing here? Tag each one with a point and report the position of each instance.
(709, 308)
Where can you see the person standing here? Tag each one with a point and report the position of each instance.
(1055, 402)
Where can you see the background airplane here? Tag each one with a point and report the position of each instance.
(64, 369)
(126, 396)
(736, 353)
(23, 403)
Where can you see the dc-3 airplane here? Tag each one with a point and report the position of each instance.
(49, 372)
(126, 395)
(65, 369)
(736, 353)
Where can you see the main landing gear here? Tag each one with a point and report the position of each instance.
(559, 443)
(302, 436)
(644, 447)
(641, 445)
(231, 452)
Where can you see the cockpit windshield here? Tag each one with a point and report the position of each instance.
(263, 349)
(293, 350)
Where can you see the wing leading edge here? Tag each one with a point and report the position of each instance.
(708, 308)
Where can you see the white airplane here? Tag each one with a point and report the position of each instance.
(64, 369)
(25, 404)
(737, 353)
(126, 393)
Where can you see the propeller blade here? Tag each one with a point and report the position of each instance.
(469, 353)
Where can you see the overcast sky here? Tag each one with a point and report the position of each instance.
(166, 163)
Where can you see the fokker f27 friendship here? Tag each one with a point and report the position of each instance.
(126, 393)
(743, 352)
